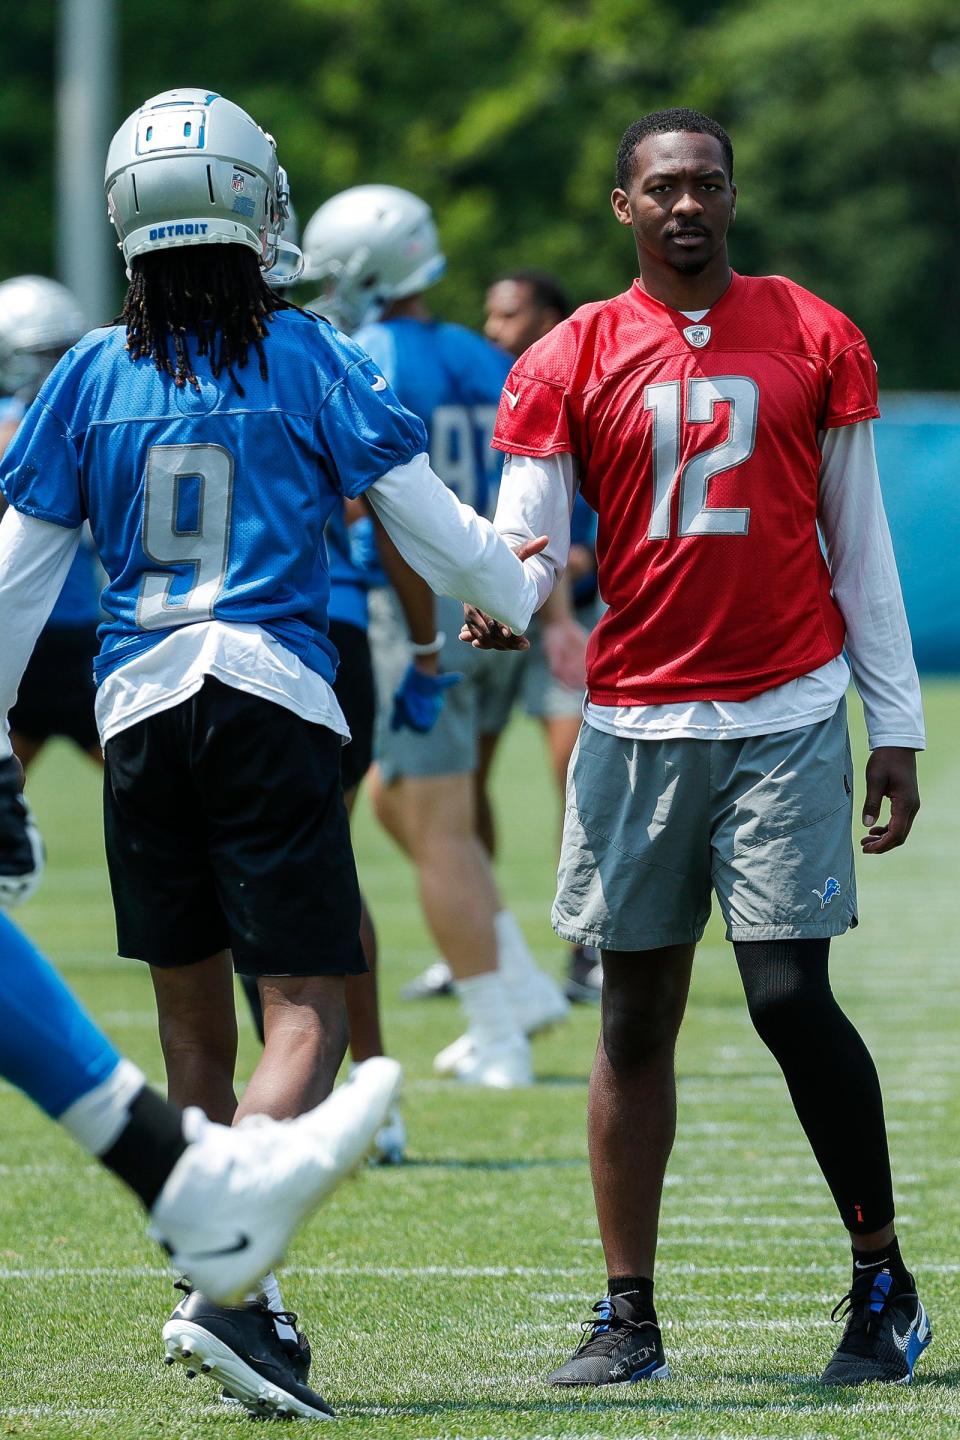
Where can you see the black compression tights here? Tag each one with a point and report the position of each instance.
(829, 1072)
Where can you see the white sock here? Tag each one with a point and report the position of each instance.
(487, 1007)
(98, 1118)
(514, 955)
(271, 1293)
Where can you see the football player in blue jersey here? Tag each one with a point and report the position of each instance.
(207, 437)
(374, 250)
(39, 321)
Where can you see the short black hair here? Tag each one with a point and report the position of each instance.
(667, 122)
(548, 292)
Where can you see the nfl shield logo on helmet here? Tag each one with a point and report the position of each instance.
(238, 182)
(697, 335)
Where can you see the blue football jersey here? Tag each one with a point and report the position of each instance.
(78, 603)
(205, 504)
(452, 379)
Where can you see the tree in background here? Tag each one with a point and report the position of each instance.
(506, 118)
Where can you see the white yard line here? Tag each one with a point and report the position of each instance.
(445, 1272)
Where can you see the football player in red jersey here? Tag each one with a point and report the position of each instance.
(720, 425)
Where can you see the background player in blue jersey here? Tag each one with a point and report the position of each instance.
(39, 321)
(375, 250)
(201, 1183)
(207, 439)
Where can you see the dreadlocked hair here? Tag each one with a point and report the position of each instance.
(213, 296)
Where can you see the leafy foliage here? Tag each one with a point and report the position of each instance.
(506, 117)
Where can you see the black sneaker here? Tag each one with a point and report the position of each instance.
(239, 1346)
(885, 1334)
(616, 1348)
(296, 1348)
(584, 976)
(435, 981)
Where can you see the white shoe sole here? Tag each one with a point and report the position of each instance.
(188, 1344)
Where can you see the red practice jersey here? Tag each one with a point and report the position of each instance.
(697, 447)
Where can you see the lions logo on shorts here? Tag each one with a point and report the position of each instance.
(830, 889)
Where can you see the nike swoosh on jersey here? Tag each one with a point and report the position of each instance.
(514, 399)
(378, 383)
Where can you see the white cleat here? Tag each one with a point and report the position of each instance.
(538, 1004)
(234, 1198)
(504, 1065)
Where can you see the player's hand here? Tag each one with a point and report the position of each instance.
(484, 633)
(418, 700)
(565, 643)
(21, 848)
(891, 774)
(481, 630)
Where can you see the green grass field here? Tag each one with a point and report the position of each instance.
(439, 1294)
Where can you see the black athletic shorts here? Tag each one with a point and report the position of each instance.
(57, 691)
(225, 828)
(354, 689)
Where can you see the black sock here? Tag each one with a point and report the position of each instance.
(638, 1289)
(888, 1257)
(148, 1146)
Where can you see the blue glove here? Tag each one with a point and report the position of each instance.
(21, 849)
(419, 699)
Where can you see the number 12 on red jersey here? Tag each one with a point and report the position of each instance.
(704, 393)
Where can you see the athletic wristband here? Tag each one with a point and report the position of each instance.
(433, 647)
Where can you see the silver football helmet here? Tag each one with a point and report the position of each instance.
(39, 321)
(367, 247)
(191, 168)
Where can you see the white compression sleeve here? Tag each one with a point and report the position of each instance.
(866, 587)
(35, 556)
(456, 551)
(536, 498)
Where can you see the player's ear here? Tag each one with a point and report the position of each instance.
(620, 201)
(733, 203)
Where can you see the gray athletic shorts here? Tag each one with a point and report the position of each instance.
(477, 706)
(652, 827)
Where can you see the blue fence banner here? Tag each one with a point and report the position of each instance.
(918, 453)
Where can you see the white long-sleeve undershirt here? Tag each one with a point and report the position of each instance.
(536, 497)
